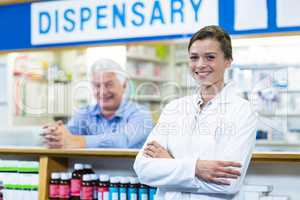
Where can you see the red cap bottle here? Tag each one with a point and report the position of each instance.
(54, 186)
(64, 187)
(76, 181)
(87, 188)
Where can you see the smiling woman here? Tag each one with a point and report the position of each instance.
(203, 143)
(210, 54)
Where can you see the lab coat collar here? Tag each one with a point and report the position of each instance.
(225, 96)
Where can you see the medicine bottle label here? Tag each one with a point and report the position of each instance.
(86, 193)
(103, 194)
(95, 192)
(132, 194)
(75, 187)
(144, 197)
(123, 194)
(54, 191)
(152, 193)
(64, 191)
(143, 194)
(113, 193)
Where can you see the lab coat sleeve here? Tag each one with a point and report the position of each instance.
(164, 172)
(237, 147)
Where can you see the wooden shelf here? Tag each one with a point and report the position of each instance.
(68, 152)
(276, 157)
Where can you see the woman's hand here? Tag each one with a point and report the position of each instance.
(155, 150)
(217, 172)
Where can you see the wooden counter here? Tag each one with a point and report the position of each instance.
(39, 151)
(68, 152)
(276, 157)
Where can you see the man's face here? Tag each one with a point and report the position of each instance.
(107, 90)
(207, 61)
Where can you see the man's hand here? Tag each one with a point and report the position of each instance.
(155, 150)
(57, 136)
(217, 171)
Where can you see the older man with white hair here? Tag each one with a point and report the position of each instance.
(113, 122)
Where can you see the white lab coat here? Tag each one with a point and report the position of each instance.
(223, 130)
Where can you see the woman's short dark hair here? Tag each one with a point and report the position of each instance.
(217, 33)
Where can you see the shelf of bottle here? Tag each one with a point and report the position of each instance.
(181, 61)
(145, 58)
(281, 115)
(44, 116)
(152, 79)
(284, 91)
(150, 98)
(280, 143)
(258, 67)
(189, 87)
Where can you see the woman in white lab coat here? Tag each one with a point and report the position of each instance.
(202, 144)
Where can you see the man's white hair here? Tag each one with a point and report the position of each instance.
(108, 65)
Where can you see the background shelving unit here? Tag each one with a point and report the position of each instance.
(268, 77)
(185, 84)
(148, 66)
(273, 96)
(39, 88)
(143, 58)
(58, 81)
(152, 79)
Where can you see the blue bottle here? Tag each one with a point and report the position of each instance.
(114, 188)
(152, 193)
(133, 188)
(143, 192)
(124, 182)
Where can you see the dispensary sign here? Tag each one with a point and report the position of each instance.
(94, 20)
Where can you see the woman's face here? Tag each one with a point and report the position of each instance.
(207, 61)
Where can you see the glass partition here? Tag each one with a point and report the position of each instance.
(43, 86)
